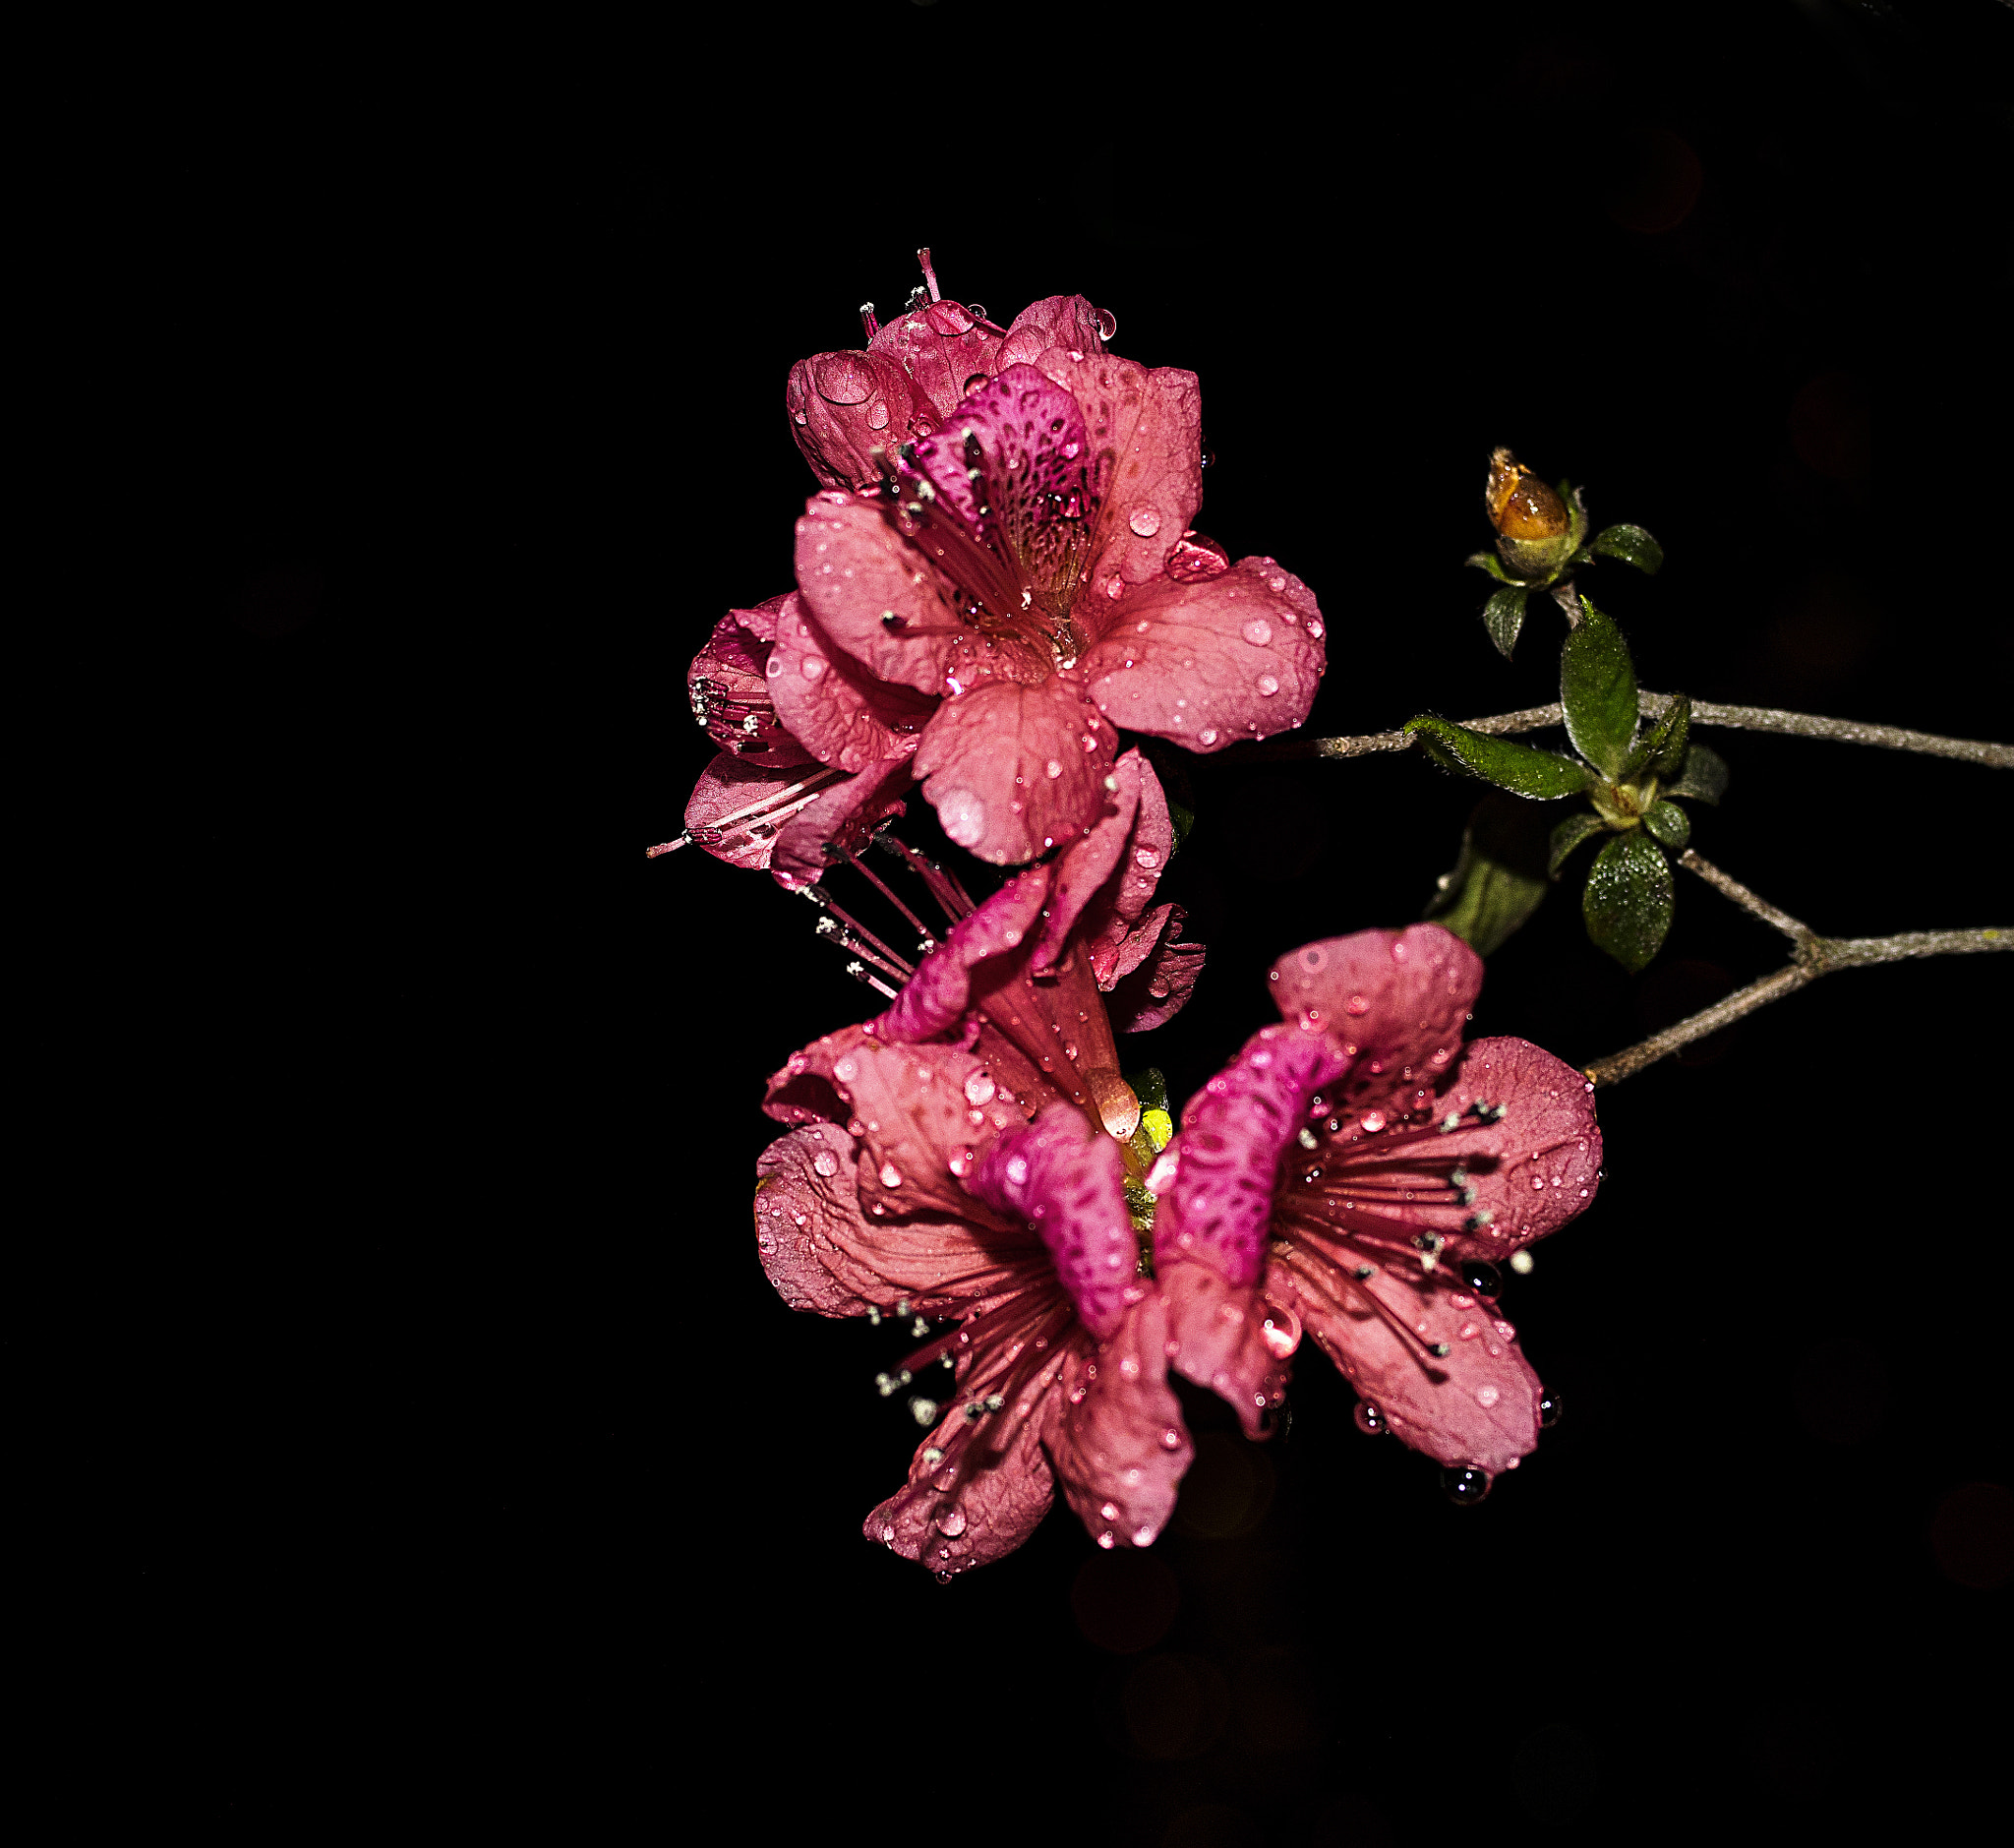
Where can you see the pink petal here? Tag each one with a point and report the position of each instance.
(843, 715)
(933, 1000)
(1065, 1177)
(1538, 1164)
(1121, 1448)
(1156, 990)
(1034, 480)
(1065, 322)
(920, 1147)
(1223, 1335)
(1088, 863)
(1234, 1133)
(839, 820)
(1013, 770)
(760, 621)
(940, 346)
(1394, 1000)
(729, 689)
(1207, 664)
(737, 809)
(853, 570)
(1156, 485)
(843, 408)
(999, 1482)
(1476, 1404)
(824, 1256)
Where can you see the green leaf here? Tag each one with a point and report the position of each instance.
(1667, 821)
(1503, 617)
(1499, 879)
(1537, 775)
(1662, 746)
(1181, 820)
(1577, 515)
(1151, 1087)
(1628, 903)
(1632, 545)
(1488, 561)
(1705, 775)
(1568, 836)
(1598, 690)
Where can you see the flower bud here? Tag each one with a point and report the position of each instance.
(1535, 528)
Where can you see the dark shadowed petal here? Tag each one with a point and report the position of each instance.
(1121, 1448)
(1012, 770)
(1234, 1133)
(1534, 1167)
(1207, 664)
(822, 1255)
(1126, 887)
(737, 809)
(843, 408)
(933, 999)
(840, 818)
(923, 1133)
(1159, 988)
(1064, 1177)
(1229, 1337)
(940, 346)
(729, 688)
(840, 713)
(1478, 1403)
(1395, 1000)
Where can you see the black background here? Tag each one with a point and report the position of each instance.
(470, 1469)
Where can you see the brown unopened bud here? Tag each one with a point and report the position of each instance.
(1535, 525)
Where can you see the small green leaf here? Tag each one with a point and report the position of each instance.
(1503, 617)
(1598, 690)
(1632, 545)
(1537, 775)
(1668, 822)
(1499, 879)
(1628, 903)
(1568, 836)
(1181, 820)
(1705, 775)
(1151, 1087)
(1662, 746)
(1488, 561)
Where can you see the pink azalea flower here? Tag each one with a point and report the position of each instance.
(1359, 1173)
(969, 1154)
(1005, 540)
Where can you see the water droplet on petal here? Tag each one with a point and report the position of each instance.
(1053, 769)
(826, 1162)
(891, 1176)
(1258, 631)
(1487, 1396)
(951, 1521)
(843, 378)
(1146, 521)
(1267, 684)
(877, 416)
(1105, 1540)
(1466, 1485)
(1208, 735)
(1171, 1439)
(980, 1089)
(1369, 1419)
(1548, 1407)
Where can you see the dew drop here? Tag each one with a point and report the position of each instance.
(1146, 521)
(951, 1521)
(1171, 1439)
(1464, 1485)
(1487, 1396)
(1208, 735)
(1549, 1406)
(826, 1162)
(1369, 1419)
(891, 1176)
(1373, 1121)
(1484, 1278)
(1267, 684)
(1143, 1537)
(1105, 1540)
(1357, 1004)
(1258, 631)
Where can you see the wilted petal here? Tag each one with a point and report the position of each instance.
(1478, 1403)
(843, 408)
(933, 999)
(1159, 988)
(1207, 664)
(838, 711)
(1064, 1177)
(838, 821)
(1395, 1000)
(1121, 1448)
(822, 1255)
(1234, 1133)
(1012, 770)
(1534, 1167)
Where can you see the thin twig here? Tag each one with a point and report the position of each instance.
(1814, 956)
(1652, 706)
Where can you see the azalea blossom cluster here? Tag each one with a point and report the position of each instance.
(998, 575)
